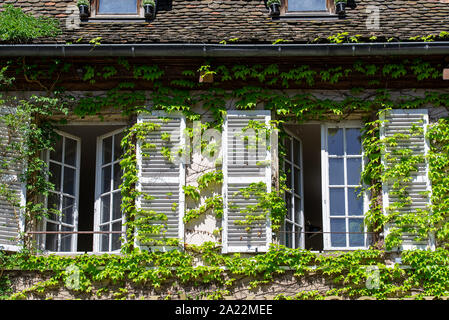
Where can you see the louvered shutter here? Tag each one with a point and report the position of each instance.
(11, 217)
(242, 166)
(409, 129)
(161, 180)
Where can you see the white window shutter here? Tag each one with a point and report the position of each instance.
(162, 179)
(242, 166)
(11, 215)
(405, 121)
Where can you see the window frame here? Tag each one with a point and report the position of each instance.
(325, 187)
(296, 226)
(330, 10)
(95, 4)
(97, 205)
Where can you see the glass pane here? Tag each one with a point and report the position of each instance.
(106, 179)
(53, 206)
(69, 180)
(298, 218)
(105, 208)
(288, 204)
(68, 210)
(353, 141)
(104, 238)
(116, 203)
(114, 6)
(354, 168)
(66, 240)
(117, 176)
(51, 240)
(338, 239)
(70, 152)
(356, 240)
(288, 172)
(107, 150)
(117, 149)
(296, 152)
(288, 149)
(335, 141)
(336, 171)
(116, 242)
(57, 153)
(297, 181)
(355, 204)
(337, 201)
(306, 5)
(297, 237)
(288, 235)
(55, 175)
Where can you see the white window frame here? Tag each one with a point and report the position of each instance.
(76, 203)
(325, 186)
(296, 226)
(97, 205)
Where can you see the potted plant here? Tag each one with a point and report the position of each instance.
(83, 6)
(149, 7)
(274, 6)
(340, 7)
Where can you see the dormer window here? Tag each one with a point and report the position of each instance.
(116, 9)
(308, 6)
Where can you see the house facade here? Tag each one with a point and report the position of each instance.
(245, 126)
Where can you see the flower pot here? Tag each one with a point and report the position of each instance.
(275, 9)
(149, 10)
(340, 8)
(84, 11)
(351, 4)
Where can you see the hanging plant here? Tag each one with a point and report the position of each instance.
(149, 7)
(274, 7)
(83, 6)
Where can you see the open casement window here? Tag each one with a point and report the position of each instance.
(108, 212)
(161, 171)
(12, 198)
(343, 205)
(292, 234)
(408, 130)
(308, 6)
(247, 173)
(63, 202)
(116, 8)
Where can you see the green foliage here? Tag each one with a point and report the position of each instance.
(17, 26)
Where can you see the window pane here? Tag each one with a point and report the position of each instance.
(297, 181)
(288, 204)
(355, 204)
(51, 240)
(116, 243)
(53, 206)
(354, 167)
(335, 141)
(117, 149)
(66, 240)
(105, 208)
(116, 202)
(356, 240)
(288, 172)
(353, 141)
(107, 150)
(288, 235)
(117, 176)
(69, 180)
(298, 217)
(296, 152)
(114, 6)
(104, 239)
(288, 149)
(57, 153)
(67, 209)
(338, 239)
(306, 5)
(337, 201)
(336, 171)
(55, 175)
(106, 179)
(70, 152)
